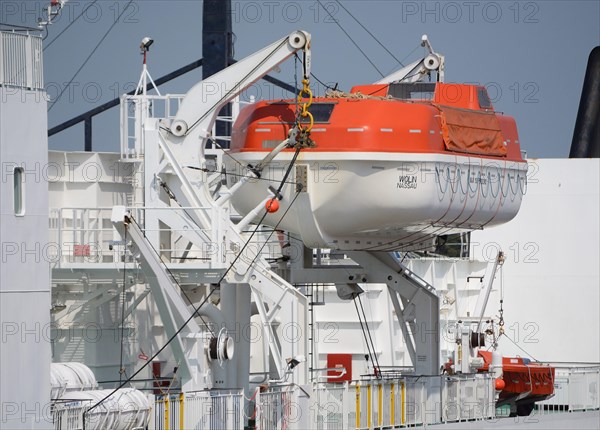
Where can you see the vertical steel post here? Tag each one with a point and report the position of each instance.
(217, 49)
(87, 124)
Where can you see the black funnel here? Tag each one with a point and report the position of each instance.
(586, 136)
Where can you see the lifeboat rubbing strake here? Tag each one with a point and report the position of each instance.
(395, 165)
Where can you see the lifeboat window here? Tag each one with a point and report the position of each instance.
(483, 98)
(321, 112)
(415, 91)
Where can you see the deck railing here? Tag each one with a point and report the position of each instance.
(87, 236)
(406, 401)
(377, 403)
(206, 410)
(21, 64)
(576, 388)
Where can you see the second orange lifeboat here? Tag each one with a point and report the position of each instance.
(524, 382)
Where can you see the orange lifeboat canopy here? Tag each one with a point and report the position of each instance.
(401, 118)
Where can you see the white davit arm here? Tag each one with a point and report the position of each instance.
(198, 111)
(414, 72)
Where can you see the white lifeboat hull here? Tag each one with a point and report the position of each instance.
(382, 201)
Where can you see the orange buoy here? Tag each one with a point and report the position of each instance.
(500, 384)
(272, 205)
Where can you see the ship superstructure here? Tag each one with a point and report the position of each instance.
(24, 274)
(191, 286)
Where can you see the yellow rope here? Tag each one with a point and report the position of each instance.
(337, 94)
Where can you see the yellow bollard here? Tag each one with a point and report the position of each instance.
(403, 402)
(181, 421)
(166, 412)
(392, 405)
(357, 406)
(380, 406)
(369, 406)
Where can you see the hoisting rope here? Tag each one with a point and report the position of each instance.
(193, 313)
(501, 333)
(167, 269)
(371, 352)
(302, 140)
(374, 359)
(490, 330)
(501, 320)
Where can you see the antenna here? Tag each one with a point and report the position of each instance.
(52, 11)
(145, 77)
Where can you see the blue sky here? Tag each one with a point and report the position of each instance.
(531, 54)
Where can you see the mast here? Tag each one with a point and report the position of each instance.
(217, 50)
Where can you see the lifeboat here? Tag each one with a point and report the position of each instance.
(394, 166)
(524, 382)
